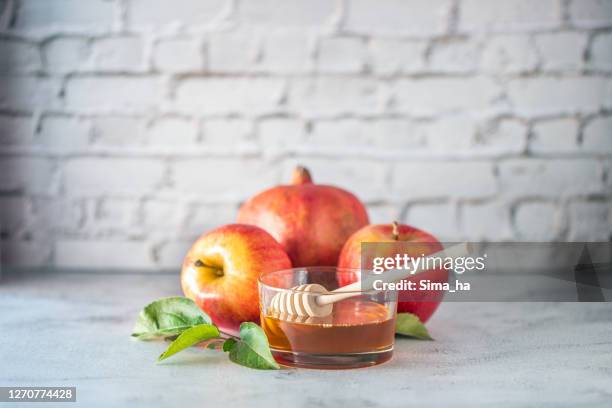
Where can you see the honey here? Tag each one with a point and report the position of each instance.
(356, 330)
(355, 326)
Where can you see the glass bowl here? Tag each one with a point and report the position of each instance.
(359, 332)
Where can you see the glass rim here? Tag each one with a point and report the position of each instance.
(334, 269)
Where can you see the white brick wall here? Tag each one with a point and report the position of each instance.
(536, 221)
(62, 133)
(129, 127)
(514, 15)
(117, 176)
(108, 93)
(159, 14)
(43, 17)
(601, 52)
(398, 17)
(509, 54)
(178, 55)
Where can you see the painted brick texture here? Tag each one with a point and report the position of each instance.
(129, 127)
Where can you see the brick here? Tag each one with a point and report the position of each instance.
(331, 96)
(103, 254)
(589, 221)
(223, 132)
(449, 133)
(13, 215)
(597, 136)
(226, 180)
(608, 170)
(509, 54)
(26, 254)
(27, 174)
(407, 17)
(229, 95)
(178, 55)
(165, 218)
(550, 178)
(50, 217)
(118, 54)
(287, 13)
(285, 51)
(342, 134)
(535, 96)
(489, 221)
(62, 132)
(116, 176)
(117, 131)
(561, 51)
(16, 130)
(19, 56)
(233, 51)
(149, 14)
(383, 214)
(113, 131)
(364, 178)
(554, 136)
(454, 56)
(439, 220)
(601, 52)
(395, 134)
(341, 55)
(435, 179)
(62, 15)
(172, 131)
(171, 254)
(389, 56)
(590, 13)
(280, 132)
(206, 217)
(484, 15)
(107, 217)
(66, 54)
(504, 136)
(537, 221)
(101, 93)
(609, 216)
(347, 134)
(438, 95)
(28, 93)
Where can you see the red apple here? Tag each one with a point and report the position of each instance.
(310, 221)
(221, 269)
(422, 303)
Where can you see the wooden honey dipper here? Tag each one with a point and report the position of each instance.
(313, 300)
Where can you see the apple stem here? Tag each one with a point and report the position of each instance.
(200, 264)
(301, 175)
(395, 231)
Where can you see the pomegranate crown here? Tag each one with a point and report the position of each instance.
(301, 175)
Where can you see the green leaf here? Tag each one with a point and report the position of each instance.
(408, 324)
(228, 344)
(214, 344)
(189, 337)
(252, 350)
(168, 317)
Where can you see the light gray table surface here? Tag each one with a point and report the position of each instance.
(72, 329)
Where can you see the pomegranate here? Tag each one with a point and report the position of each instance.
(311, 221)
